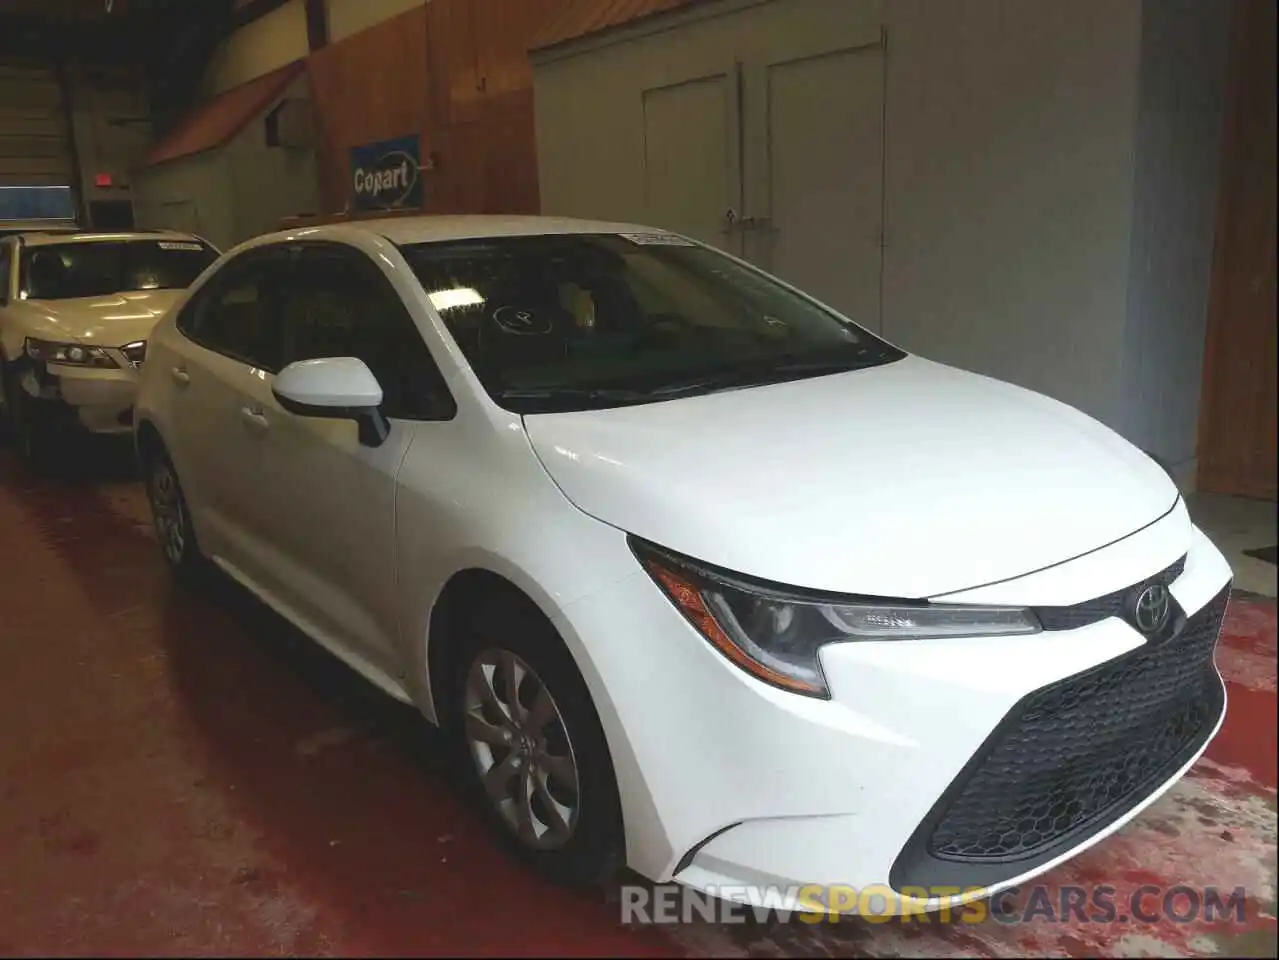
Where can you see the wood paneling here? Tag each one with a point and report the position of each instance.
(371, 86)
(1237, 448)
(450, 38)
(457, 72)
(504, 32)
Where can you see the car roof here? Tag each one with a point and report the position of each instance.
(429, 229)
(36, 238)
(9, 227)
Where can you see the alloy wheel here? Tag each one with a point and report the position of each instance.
(168, 512)
(521, 749)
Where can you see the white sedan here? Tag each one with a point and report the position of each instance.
(705, 578)
(76, 309)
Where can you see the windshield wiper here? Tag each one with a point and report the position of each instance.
(568, 393)
(571, 398)
(753, 376)
(734, 378)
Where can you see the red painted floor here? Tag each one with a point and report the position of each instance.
(181, 774)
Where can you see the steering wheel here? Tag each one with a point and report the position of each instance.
(668, 329)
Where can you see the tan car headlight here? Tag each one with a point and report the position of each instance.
(69, 354)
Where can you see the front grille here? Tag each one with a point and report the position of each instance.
(135, 353)
(1111, 605)
(1083, 751)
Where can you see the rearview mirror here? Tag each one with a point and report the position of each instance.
(339, 388)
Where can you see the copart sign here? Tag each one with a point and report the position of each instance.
(386, 175)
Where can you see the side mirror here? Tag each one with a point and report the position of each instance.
(338, 388)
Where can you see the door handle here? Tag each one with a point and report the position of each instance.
(735, 221)
(254, 419)
(180, 376)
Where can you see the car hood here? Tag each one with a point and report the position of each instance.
(109, 321)
(911, 479)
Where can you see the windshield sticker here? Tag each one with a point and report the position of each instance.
(178, 245)
(657, 240)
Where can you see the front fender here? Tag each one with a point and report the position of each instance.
(21, 323)
(471, 494)
(550, 580)
(12, 339)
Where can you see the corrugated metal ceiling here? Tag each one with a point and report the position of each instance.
(581, 18)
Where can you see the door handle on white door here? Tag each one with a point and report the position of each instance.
(180, 376)
(254, 418)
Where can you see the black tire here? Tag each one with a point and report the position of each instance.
(171, 517)
(28, 433)
(594, 849)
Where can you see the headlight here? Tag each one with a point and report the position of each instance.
(774, 633)
(71, 354)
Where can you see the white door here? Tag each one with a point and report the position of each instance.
(330, 498)
(230, 341)
(692, 167)
(816, 168)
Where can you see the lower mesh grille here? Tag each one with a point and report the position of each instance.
(1083, 751)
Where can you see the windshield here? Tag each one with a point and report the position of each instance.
(98, 268)
(582, 321)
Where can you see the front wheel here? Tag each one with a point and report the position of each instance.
(537, 759)
(27, 432)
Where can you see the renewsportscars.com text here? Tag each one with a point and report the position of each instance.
(1101, 904)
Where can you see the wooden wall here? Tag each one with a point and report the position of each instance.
(1237, 452)
(457, 72)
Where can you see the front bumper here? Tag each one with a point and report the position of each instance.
(740, 790)
(99, 400)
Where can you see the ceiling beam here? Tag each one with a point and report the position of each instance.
(317, 25)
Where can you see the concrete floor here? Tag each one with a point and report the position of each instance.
(1236, 524)
(182, 774)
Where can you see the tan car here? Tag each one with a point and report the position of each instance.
(10, 228)
(75, 313)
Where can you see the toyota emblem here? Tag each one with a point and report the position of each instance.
(1150, 610)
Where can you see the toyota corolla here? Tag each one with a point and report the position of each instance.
(700, 576)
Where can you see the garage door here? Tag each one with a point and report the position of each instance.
(35, 146)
